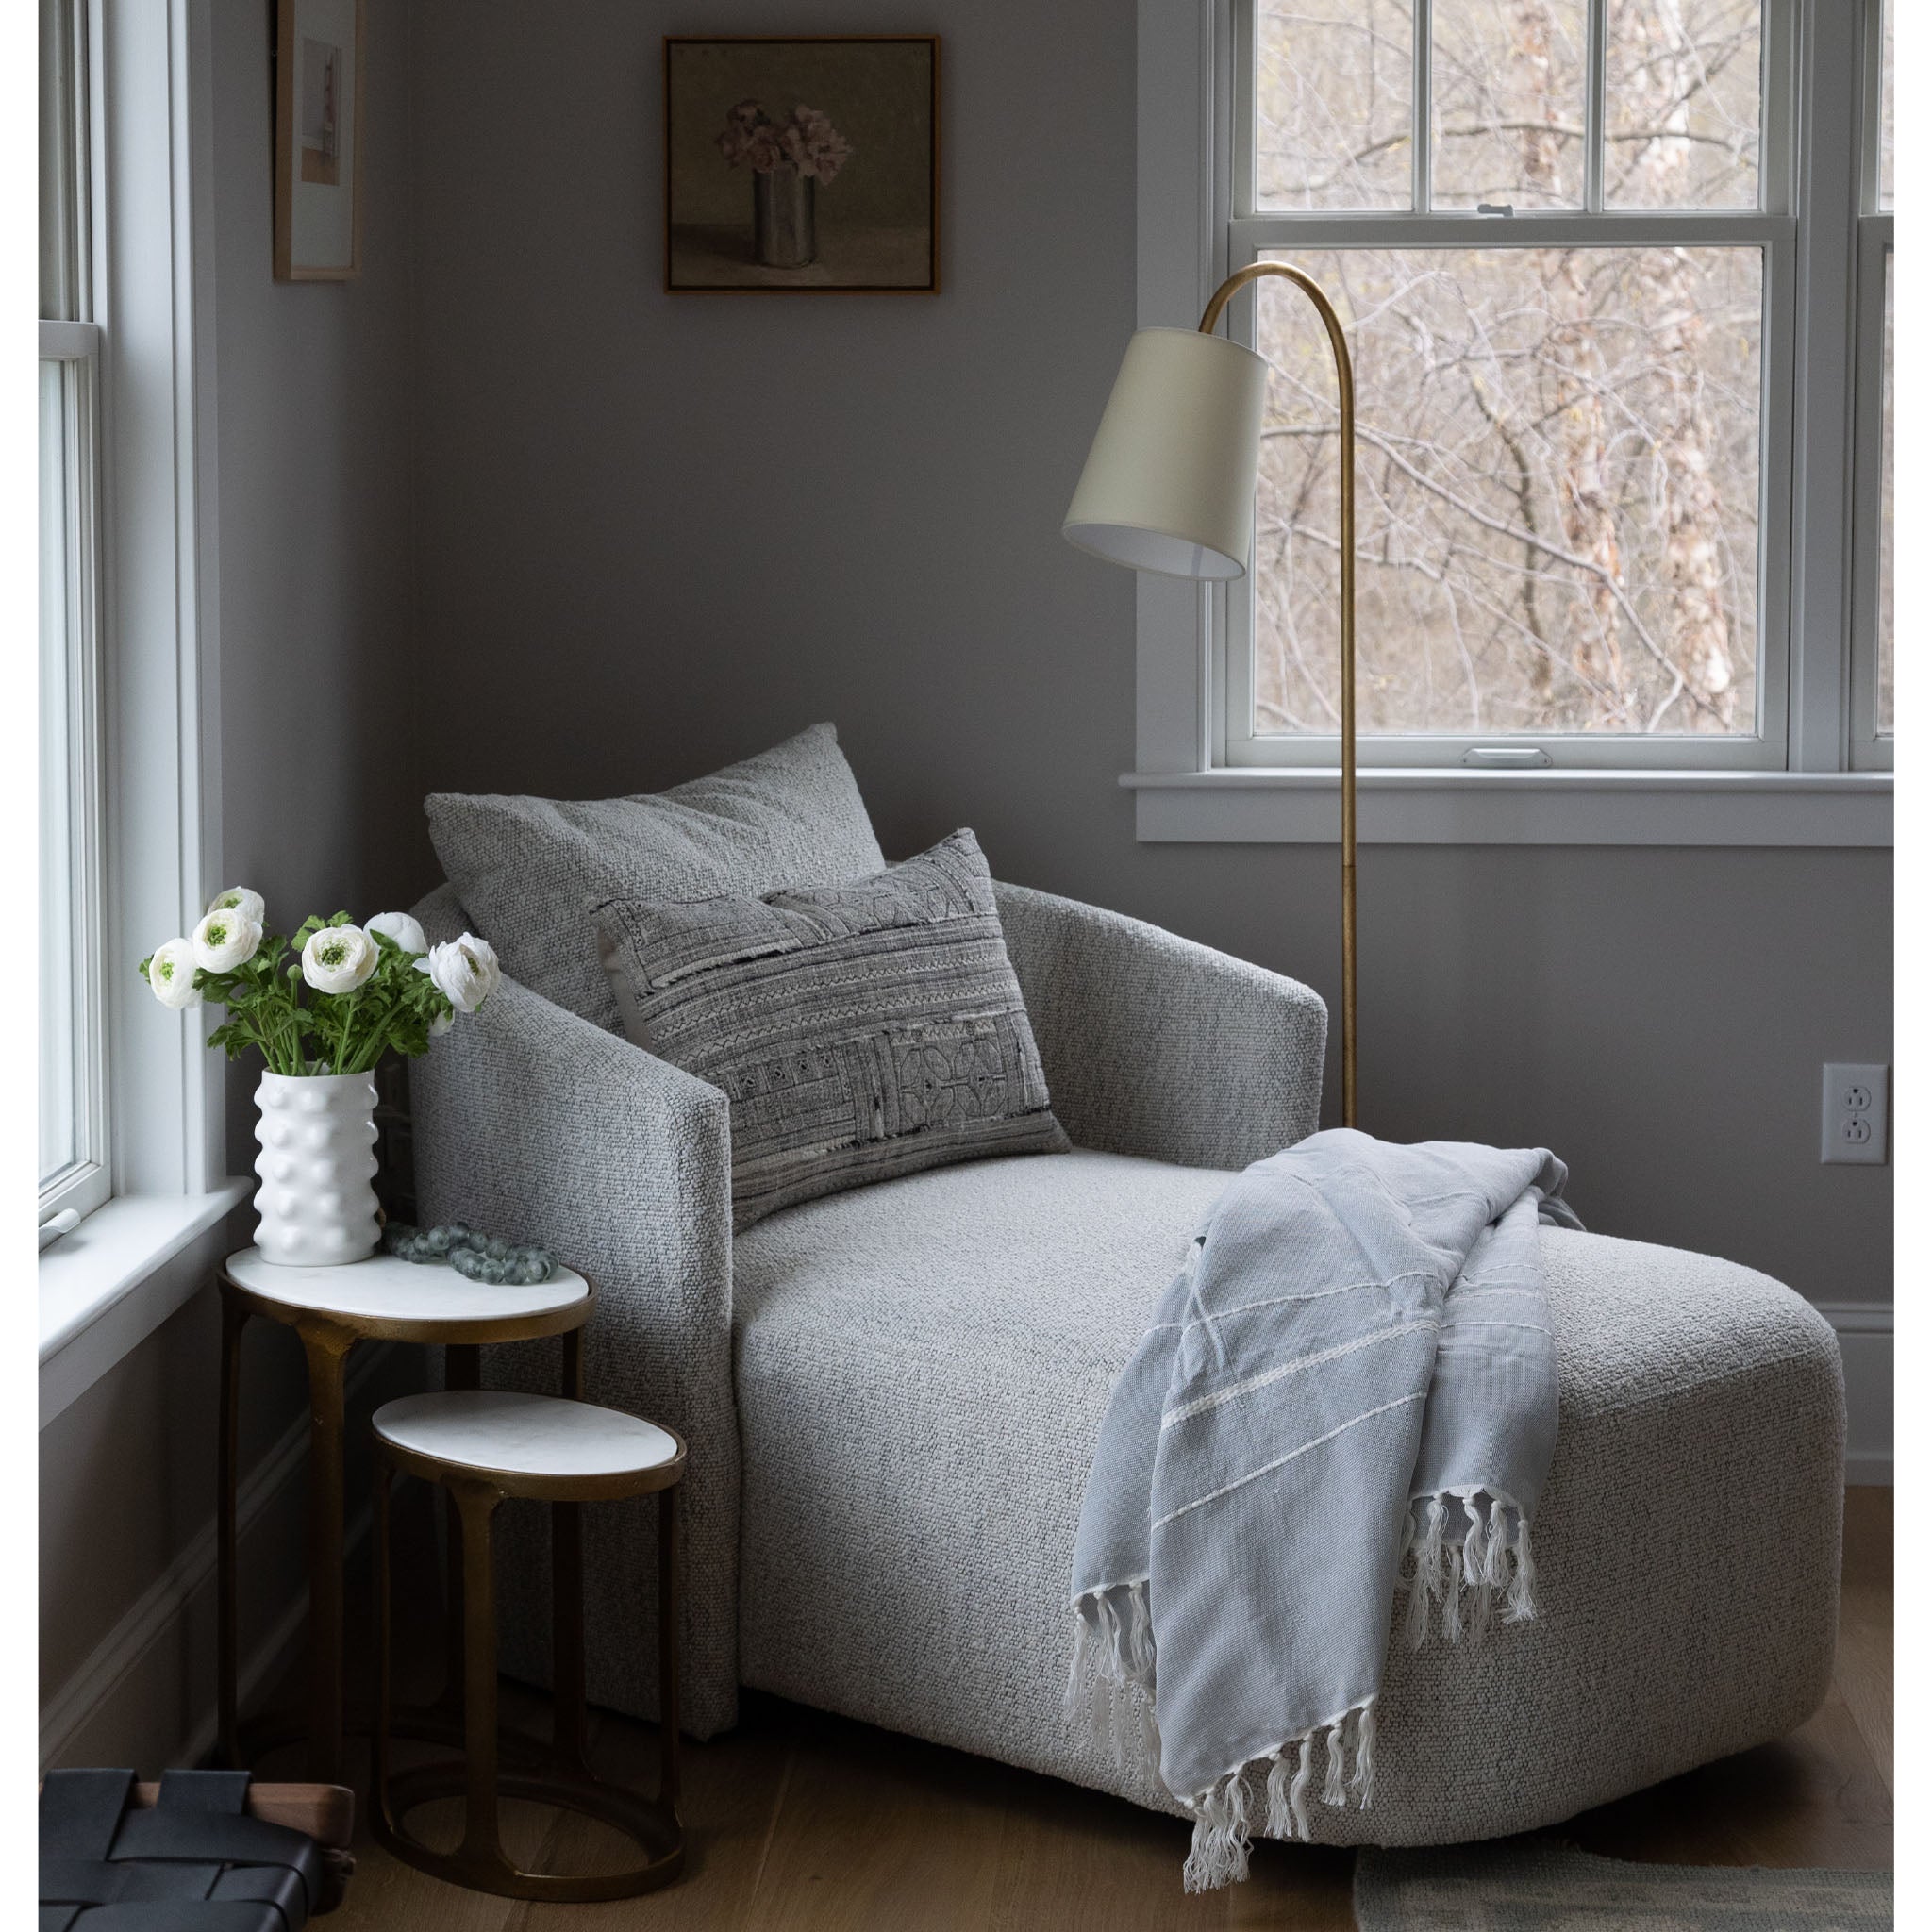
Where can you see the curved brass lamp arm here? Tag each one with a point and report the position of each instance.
(1344, 377)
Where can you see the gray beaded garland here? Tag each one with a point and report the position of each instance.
(472, 1253)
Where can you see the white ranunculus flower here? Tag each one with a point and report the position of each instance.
(440, 1025)
(407, 933)
(465, 970)
(171, 974)
(337, 959)
(226, 940)
(239, 899)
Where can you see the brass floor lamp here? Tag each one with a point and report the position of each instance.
(1169, 487)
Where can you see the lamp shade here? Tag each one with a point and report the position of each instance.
(1169, 485)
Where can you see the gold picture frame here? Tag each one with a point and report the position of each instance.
(802, 164)
(319, 145)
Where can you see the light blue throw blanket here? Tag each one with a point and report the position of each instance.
(1351, 1379)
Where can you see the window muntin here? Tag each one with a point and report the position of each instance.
(1635, 311)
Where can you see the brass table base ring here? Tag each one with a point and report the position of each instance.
(653, 1828)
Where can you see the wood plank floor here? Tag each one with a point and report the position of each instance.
(804, 1822)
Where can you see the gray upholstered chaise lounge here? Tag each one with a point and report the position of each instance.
(892, 1395)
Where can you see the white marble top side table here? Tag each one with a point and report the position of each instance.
(381, 1299)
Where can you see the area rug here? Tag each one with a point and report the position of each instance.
(1538, 1885)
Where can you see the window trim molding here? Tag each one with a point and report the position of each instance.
(1433, 806)
(1182, 786)
(153, 281)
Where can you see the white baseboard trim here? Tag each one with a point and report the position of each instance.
(113, 1660)
(1865, 1341)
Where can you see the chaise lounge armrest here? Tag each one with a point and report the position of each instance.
(1156, 1046)
(536, 1124)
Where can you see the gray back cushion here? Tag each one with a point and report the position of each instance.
(528, 870)
(861, 1032)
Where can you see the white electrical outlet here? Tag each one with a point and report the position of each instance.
(1856, 1115)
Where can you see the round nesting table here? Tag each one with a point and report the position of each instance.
(382, 1299)
(484, 1446)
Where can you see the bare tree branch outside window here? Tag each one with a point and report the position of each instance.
(1558, 472)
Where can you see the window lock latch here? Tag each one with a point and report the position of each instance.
(1505, 758)
(1495, 208)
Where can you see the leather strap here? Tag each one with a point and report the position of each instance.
(80, 1812)
(204, 1790)
(195, 1863)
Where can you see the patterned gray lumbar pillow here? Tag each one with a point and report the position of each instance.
(526, 868)
(860, 1031)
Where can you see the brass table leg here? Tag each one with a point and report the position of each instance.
(569, 1733)
(234, 1319)
(462, 1368)
(378, 1743)
(667, 1652)
(481, 1845)
(327, 1349)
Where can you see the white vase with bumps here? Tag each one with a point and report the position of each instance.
(317, 1161)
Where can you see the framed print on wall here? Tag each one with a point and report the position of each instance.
(318, 140)
(802, 165)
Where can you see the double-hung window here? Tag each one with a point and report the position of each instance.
(1588, 255)
(74, 1171)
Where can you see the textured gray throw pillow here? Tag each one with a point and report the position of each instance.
(528, 870)
(860, 1031)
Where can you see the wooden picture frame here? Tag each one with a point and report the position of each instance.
(739, 219)
(319, 145)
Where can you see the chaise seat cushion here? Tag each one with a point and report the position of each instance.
(921, 1368)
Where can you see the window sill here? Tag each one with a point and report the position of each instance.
(1438, 806)
(108, 1286)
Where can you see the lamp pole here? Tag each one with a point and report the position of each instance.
(1344, 377)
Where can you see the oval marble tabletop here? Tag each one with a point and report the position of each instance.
(384, 1289)
(501, 1430)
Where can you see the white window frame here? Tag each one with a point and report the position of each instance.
(137, 1259)
(1792, 785)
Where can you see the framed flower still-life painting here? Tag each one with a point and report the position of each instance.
(318, 140)
(802, 165)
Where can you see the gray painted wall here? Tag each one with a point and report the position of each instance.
(317, 622)
(657, 533)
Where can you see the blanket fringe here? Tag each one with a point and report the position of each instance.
(1110, 1694)
(1219, 1855)
(1474, 1575)
(1363, 1783)
(1280, 1819)
(1334, 1790)
(1523, 1586)
(1476, 1567)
